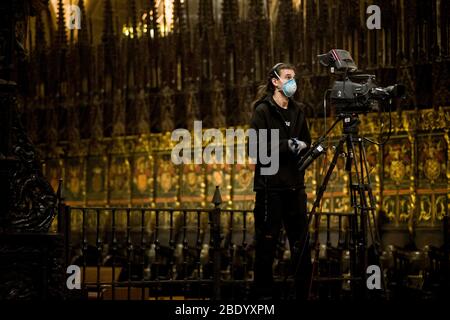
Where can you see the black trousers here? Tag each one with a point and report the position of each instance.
(272, 211)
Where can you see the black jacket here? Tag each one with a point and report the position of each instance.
(267, 116)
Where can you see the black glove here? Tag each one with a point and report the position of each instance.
(296, 146)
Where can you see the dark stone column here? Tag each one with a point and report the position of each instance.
(32, 264)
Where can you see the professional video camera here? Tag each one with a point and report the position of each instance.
(354, 92)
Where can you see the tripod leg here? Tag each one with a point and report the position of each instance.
(373, 229)
(359, 204)
(376, 239)
(305, 237)
(363, 203)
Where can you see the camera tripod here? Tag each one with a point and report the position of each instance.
(361, 200)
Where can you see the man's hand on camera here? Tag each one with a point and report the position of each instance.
(296, 146)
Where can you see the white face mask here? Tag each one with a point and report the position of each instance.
(289, 87)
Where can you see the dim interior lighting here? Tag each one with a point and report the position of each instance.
(164, 20)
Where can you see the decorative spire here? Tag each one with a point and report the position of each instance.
(206, 35)
(84, 51)
(152, 42)
(284, 32)
(83, 32)
(205, 14)
(39, 40)
(256, 10)
(108, 29)
(40, 54)
(132, 16)
(182, 38)
(323, 18)
(151, 20)
(179, 17)
(259, 33)
(61, 37)
(230, 15)
(132, 54)
(284, 13)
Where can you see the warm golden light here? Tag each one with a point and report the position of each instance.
(165, 19)
(69, 21)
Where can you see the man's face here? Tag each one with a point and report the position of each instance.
(285, 75)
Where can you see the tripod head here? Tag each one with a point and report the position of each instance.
(350, 123)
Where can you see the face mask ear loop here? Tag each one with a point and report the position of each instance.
(275, 71)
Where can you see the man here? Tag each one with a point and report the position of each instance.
(281, 197)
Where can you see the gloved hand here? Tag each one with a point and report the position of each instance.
(296, 146)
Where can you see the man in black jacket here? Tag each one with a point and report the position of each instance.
(281, 197)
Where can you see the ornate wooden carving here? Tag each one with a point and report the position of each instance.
(32, 198)
(167, 112)
(192, 107)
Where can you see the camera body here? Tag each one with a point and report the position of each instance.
(352, 97)
(355, 93)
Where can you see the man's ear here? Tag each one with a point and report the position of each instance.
(274, 82)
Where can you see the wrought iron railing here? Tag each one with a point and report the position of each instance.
(157, 251)
(197, 253)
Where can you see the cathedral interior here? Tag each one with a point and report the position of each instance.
(92, 90)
